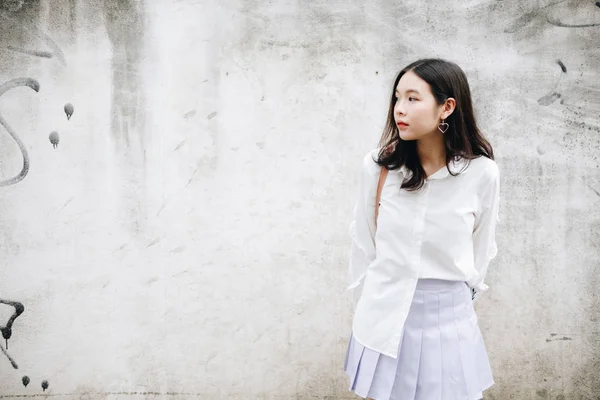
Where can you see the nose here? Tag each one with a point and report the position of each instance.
(399, 108)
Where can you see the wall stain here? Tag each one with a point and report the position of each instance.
(560, 338)
(54, 139)
(553, 95)
(153, 242)
(16, 28)
(6, 330)
(584, 378)
(522, 22)
(27, 27)
(69, 110)
(31, 83)
(556, 22)
(593, 190)
(541, 15)
(180, 145)
(189, 114)
(12, 5)
(14, 83)
(125, 27)
(35, 53)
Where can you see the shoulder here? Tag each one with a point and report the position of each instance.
(484, 169)
(487, 176)
(369, 165)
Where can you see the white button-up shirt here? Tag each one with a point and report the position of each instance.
(444, 231)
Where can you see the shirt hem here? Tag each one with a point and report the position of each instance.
(383, 352)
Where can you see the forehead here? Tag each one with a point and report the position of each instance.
(409, 81)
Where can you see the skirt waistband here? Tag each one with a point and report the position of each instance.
(439, 284)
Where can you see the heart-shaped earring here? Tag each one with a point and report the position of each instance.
(445, 125)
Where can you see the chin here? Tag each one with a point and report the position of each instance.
(406, 136)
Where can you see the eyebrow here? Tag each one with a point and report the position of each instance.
(409, 90)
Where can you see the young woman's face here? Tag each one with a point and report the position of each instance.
(416, 107)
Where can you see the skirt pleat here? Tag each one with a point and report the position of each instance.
(366, 371)
(407, 372)
(467, 340)
(441, 355)
(429, 385)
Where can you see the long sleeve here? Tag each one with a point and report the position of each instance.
(362, 228)
(484, 232)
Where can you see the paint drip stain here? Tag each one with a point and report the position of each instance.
(54, 139)
(180, 145)
(152, 243)
(562, 66)
(560, 338)
(189, 114)
(178, 249)
(548, 99)
(35, 53)
(69, 109)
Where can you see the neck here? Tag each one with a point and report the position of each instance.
(432, 150)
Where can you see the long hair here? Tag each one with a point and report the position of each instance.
(462, 139)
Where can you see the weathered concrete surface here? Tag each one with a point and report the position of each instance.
(188, 236)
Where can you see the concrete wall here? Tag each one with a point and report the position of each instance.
(188, 236)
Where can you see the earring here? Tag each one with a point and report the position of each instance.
(445, 125)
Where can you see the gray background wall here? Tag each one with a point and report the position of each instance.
(188, 237)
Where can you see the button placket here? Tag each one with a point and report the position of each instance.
(418, 230)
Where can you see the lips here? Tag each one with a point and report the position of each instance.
(402, 124)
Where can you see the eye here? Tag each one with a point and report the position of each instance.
(396, 98)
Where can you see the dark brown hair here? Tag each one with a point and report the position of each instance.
(462, 139)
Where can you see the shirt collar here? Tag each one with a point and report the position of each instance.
(455, 166)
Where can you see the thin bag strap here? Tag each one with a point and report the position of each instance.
(382, 175)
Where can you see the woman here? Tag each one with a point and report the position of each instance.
(421, 254)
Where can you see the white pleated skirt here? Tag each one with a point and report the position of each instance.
(441, 356)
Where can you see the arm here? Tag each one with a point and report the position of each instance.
(362, 228)
(484, 232)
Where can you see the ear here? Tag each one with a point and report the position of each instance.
(448, 107)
